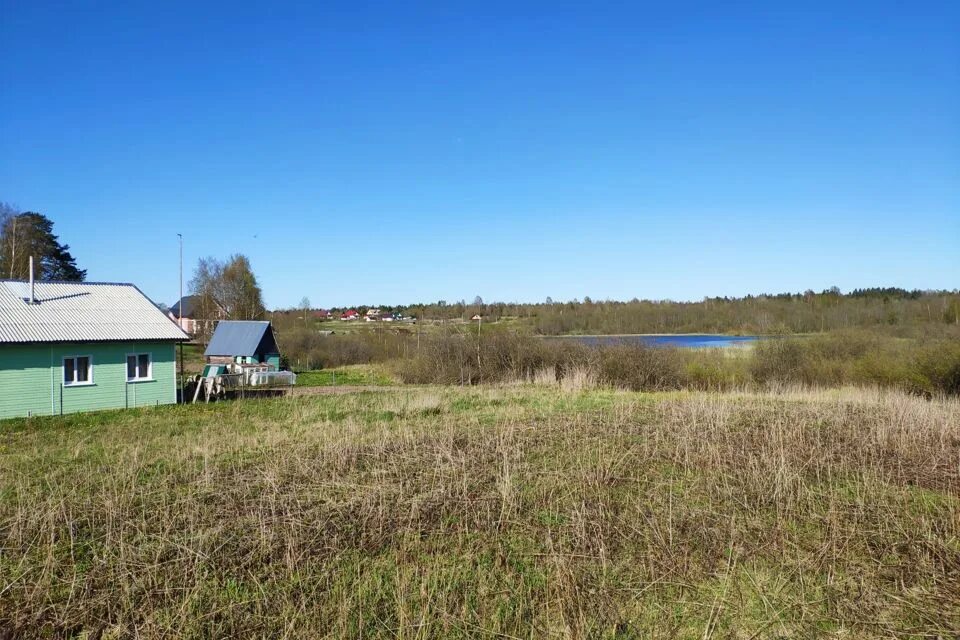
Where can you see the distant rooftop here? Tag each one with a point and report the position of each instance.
(189, 306)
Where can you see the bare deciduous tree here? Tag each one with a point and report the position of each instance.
(305, 307)
(227, 288)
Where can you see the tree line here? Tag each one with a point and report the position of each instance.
(788, 313)
(806, 312)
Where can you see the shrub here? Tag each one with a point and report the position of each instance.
(715, 369)
(938, 368)
(641, 368)
(920, 365)
(779, 360)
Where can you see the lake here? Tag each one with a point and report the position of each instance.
(690, 341)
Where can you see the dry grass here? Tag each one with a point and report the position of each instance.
(545, 377)
(580, 378)
(514, 512)
(573, 379)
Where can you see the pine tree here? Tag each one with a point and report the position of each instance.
(31, 234)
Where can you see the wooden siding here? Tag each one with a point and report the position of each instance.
(31, 378)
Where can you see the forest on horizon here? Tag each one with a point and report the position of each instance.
(806, 312)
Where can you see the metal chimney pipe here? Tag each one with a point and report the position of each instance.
(32, 292)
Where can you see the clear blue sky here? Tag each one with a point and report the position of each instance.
(402, 152)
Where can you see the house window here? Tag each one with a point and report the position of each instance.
(139, 367)
(77, 370)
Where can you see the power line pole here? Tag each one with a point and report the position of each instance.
(180, 317)
(479, 365)
(13, 249)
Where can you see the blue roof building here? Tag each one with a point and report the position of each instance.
(243, 341)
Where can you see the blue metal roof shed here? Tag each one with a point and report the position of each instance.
(243, 341)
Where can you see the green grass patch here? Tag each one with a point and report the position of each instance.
(355, 375)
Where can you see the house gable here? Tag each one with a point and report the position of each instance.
(268, 345)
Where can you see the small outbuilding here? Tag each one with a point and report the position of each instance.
(243, 342)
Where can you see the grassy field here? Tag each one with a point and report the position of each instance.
(351, 375)
(497, 512)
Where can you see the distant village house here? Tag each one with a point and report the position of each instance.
(192, 320)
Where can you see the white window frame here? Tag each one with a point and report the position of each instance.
(137, 355)
(63, 365)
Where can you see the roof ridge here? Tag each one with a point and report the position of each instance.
(115, 284)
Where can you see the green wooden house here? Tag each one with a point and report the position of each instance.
(83, 346)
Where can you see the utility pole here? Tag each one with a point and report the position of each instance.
(13, 249)
(479, 365)
(180, 318)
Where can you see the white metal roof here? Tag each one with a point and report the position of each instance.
(81, 312)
